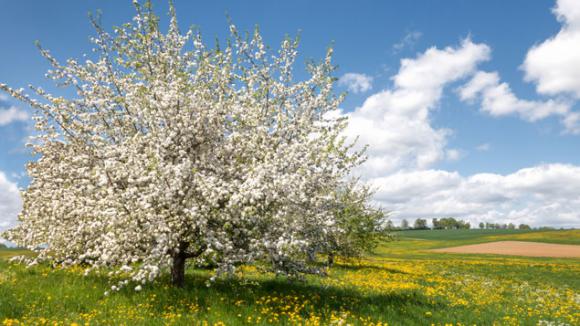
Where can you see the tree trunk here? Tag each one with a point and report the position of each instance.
(179, 258)
(330, 259)
(178, 268)
(311, 255)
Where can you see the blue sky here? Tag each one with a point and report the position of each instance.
(484, 146)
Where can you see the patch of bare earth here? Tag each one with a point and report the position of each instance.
(518, 248)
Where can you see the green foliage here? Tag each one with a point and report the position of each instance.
(360, 222)
(420, 224)
(448, 223)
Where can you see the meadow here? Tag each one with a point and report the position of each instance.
(401, 284)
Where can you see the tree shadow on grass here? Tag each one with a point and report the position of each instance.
(321, 300)
(356, 267)
(246, 296)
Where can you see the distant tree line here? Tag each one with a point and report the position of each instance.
(451, 223)
(446, 223)
(504, 226)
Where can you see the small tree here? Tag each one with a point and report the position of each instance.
(361, 225)
(448, 223)
(481, 225)
(172, 151)
(420, 224)
(404, 224)
(436, 224)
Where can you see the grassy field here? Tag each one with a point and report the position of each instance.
(479, 236)
(400, 285)
(458, 234)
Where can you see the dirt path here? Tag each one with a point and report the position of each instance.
(518, 248)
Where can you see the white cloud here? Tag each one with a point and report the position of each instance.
(453, 154)
(483, 147)
(356, 83)
(435, 68)
(404, 146)
(554, 65)
(10, 202)
(395, 123)
(408, 41)
(572, 122)
(3, 97)
(540, 195)
(497, 99)
(12, 114)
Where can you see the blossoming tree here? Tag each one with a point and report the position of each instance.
(172, 151)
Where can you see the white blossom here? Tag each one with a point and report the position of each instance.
(171, 149)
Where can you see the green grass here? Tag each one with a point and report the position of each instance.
(6, 253)
(480, 236)
(402, 284)
(457, 234)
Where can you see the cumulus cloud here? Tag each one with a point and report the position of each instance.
(10, 202)
(497, 99)
(12, 114)
(395, 123)
(540, 195)
(554, 65)
(356, 83)
(404, 146)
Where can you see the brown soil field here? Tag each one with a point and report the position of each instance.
(517, 248)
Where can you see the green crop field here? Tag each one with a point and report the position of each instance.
(458, 234)
(401, 284)
(479, 236)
